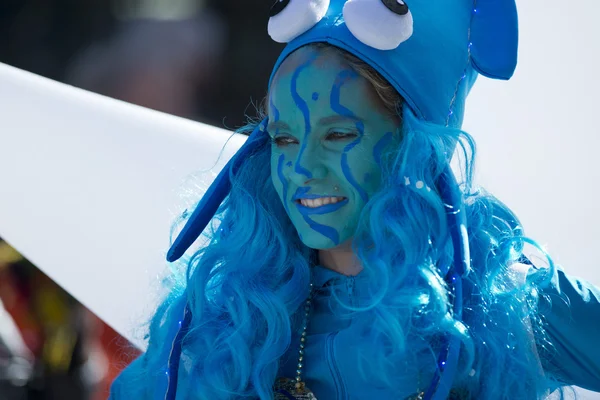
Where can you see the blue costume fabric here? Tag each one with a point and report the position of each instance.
(572, 312)
(333, 350)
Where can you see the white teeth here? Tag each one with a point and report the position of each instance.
(314, 203)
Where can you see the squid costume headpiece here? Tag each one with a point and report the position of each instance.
(431, 52)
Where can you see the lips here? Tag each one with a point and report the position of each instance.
(319, 201)
(320, 205)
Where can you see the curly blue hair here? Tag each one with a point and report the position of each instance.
(247, 287)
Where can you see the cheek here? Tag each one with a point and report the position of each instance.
(364, 169)
(371, 178)
(279, 172)
(275, 176)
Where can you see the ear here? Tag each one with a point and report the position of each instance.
(494, 38)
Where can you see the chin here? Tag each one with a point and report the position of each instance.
(324, 243)
(321, 243)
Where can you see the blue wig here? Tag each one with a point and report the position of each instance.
(245, 290)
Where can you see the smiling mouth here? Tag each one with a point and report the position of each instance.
(319, 202)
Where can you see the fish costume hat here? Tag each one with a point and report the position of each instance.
(431, 52)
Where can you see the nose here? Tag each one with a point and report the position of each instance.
(308, 166)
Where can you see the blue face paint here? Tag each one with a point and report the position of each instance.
(303, 107)
(325, 231)
(348, 174)
(336, 106)
(383, 143)
(274, 110)
(334, 144)
(282, 179)
(301, 192)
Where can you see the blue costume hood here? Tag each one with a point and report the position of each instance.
(434, 68)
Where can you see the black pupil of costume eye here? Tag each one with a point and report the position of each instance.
(396, 6)
(278, 7)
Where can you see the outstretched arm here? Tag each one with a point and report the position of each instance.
(570, 308)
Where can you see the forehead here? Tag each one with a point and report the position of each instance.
(312, 74)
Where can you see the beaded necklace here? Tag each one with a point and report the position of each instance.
(295, 389)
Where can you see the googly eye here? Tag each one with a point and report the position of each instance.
(396, 6)
(381, 24)
(291, 18)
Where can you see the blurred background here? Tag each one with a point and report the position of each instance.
(189, 58)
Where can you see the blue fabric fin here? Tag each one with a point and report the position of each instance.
(495, 38)
(214, 196)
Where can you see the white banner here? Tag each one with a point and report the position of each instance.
(89, 187)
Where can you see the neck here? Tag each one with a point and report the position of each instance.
(340, 259)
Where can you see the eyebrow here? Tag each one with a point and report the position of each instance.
(331, 120)
(273, 126)
(334, 119)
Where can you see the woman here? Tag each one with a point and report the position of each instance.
(355, 267)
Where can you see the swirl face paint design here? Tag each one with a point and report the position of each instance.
(326, 152)
(381, 146)
(340, 79)
(283, 181)
(303, 107)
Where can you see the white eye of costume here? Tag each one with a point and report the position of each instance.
(291, 18)
(381, 24)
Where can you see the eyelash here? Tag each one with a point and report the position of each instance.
(340, 136)
(283, 141)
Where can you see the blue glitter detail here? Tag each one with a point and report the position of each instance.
(378, 149)
(301, 104)
(283, 182)
(340, 80)
(289, 164)
(315, 96)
